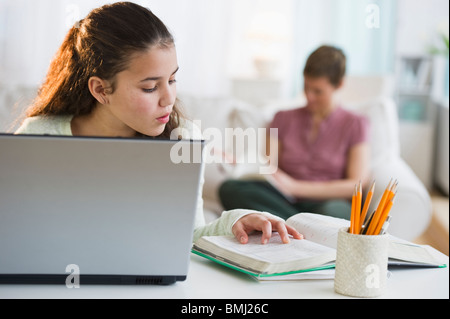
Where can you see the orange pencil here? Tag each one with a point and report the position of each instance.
(392, 191)
(387, 208)
(386, 212)
(358, 209)
(365, 228)
(379, 210)
(352, 215)
(366, 205)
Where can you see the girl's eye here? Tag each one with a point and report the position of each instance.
(149, 90)
(155, 88)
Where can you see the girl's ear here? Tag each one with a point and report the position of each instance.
(97, 87)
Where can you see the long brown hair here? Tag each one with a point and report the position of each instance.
(100, 45)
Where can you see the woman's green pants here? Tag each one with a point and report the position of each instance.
(262, 196)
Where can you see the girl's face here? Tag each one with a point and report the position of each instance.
(319, 93)
(145, 92)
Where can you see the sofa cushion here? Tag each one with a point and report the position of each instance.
(384, 134)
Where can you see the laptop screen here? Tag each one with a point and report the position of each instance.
(121, 210)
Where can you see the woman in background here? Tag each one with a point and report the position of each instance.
(323, 150)
(115, 75)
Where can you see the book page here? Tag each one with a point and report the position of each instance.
(320, 229)
(411, 253)
(274, 251)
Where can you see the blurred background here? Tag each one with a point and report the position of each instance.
(255, 50)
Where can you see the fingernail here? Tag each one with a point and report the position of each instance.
(242, 240)
(264, 241)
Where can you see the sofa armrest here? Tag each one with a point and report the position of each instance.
(411, 213)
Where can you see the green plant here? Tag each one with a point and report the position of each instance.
(442, 49)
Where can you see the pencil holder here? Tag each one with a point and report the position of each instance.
(361, 264)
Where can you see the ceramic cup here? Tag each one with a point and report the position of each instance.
(361, 264)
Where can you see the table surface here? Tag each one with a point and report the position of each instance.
(208, 280)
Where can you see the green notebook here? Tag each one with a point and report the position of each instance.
(316, 252)
(272, 259)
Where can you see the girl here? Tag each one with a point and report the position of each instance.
(115, 75)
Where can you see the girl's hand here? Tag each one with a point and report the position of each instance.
(258, 222)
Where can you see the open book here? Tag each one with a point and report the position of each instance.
(316, 252)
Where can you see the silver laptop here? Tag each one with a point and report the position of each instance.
(96, 210)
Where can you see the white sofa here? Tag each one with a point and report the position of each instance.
(411, 212)
(13, 102)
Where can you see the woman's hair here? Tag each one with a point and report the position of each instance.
(100, 45)
(326, 61)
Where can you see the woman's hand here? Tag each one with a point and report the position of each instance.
(258, 222)
(285, 183)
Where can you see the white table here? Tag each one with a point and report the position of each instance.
(208, 280)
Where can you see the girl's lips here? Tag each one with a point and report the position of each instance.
(164, 119)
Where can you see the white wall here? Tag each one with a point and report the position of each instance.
(418, 24)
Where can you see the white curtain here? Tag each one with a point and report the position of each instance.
(201, 31)
(31, 31)
(364, 29)
(28, 34)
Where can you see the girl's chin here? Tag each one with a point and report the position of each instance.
(157, 131)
